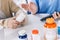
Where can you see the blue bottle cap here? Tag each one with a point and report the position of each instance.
(23, 37)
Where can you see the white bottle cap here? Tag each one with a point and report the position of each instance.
(20, 17)
(22, 32)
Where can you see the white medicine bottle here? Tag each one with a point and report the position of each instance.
(35, 35)
(20, 17)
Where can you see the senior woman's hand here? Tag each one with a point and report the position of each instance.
(56, 16)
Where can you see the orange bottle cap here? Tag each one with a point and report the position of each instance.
(50, 23)
(35, 31)
(49, 20)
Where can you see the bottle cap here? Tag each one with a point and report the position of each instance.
(22, 32)
(35, 31)
(50, 23)
(49, 20)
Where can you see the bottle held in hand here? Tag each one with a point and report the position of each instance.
(20, 17)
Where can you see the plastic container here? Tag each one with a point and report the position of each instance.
(50, 29)
(35, 35)
(20, 17)
(22, 35)
(58, 29)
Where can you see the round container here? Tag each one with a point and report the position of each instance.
(35, 35)
(50, 29)
(20, 17)
(22, 35)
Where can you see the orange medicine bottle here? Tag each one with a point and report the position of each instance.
(50, 29)
(35, 35)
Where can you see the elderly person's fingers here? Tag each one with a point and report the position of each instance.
(15, 26)
(32, 8)
(58, 14)
(25, 6)
(54, 15)
(12, 23)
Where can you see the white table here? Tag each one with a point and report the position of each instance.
(33, 23)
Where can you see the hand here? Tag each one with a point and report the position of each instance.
(55, 16)
(30, 7)
(12, 23)
(25, 6)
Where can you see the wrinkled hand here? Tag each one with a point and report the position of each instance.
(55, 16)
(25, 6)
(12, 23)
(30, 7)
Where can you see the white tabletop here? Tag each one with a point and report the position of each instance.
(33, 23)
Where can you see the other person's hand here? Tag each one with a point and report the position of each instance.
(56, 16)
(30, 7)
(25, 6)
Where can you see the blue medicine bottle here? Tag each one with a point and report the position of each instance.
(59, 29)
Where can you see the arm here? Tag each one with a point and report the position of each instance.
(4, 22)
(11, 22)
(17, 10)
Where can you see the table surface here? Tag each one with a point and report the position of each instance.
(33, 23)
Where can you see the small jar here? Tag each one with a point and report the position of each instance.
(22, 35)
(50, 29)
(35, 35)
